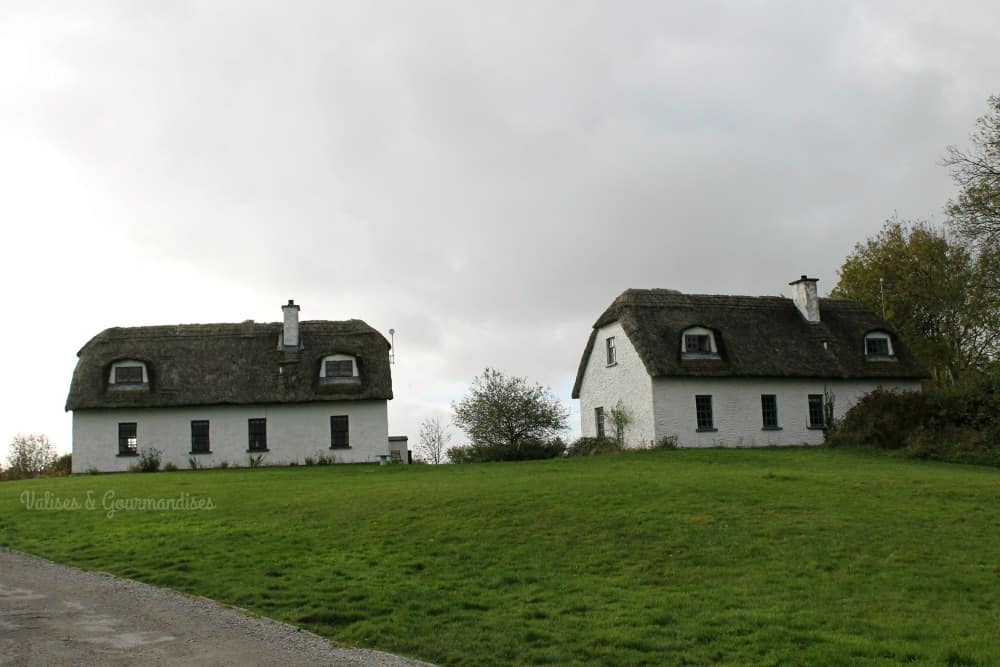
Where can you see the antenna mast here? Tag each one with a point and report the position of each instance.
(392, 345)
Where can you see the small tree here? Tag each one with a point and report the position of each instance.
(434, 439)
(30, 455)
(620, 420)
(975, 212)
(508, 412)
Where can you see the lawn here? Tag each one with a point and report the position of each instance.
(770, 556)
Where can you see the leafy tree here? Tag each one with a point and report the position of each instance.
(434, 438)
(620, 421)
(30, 455)
(504, 412)
(975, 212)
(934, 290)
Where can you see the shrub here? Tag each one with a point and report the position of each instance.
(170, 467)
(194, 463)
(62, 466)
(223, 465)
(530, 450)
(666, 442)
(93, 471)
(592, 446)
(255, 461)
(149, 460)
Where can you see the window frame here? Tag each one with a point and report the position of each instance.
(121, 371)
(704, 413)
(769, 412)
(201, 443)
(346, 431)
(339, 365)
(128, 438)
(879, 339)
(816, 406)
(258, 444)
(599, 422)
(698, 348)
(612, 352)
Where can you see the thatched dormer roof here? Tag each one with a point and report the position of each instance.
(229, 364)
(757, 337)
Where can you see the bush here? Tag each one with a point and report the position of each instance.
(593, 446)
(194, 463)
(170, 467)
(666, 442)
(149, 460)
(959, 423)
(62, 466)
(530, 450)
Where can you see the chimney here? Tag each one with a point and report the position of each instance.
(804, 296)
(290, 334)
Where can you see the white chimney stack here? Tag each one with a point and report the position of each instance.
(805, 298)
(290, 334)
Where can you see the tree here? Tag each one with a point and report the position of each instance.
(30, 455)
(434, 439)
(975, 212)
(933, 289)
(508, 412)
(620, 420)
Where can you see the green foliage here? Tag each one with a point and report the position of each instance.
(508, 413)
(784, 556)
(592, 446)
(959, 423)
(666, 442)
(223, 465)
(170, 467)
(620, 419)
(194, 463)
(62, 466)
(530, 450)
(936, 293)
(255, 461)
(149, 460)
(975, 212)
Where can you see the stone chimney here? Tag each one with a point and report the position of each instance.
(804, 296)
(290, 334)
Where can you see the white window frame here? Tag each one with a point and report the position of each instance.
(879, 335)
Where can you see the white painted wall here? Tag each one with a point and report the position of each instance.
(737, 412)
(627, 380)
(293, 433)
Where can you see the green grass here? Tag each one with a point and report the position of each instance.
(764, 557)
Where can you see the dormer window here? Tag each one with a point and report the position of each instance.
(698, 342)
(339, 368)
(128, 374)
(878, 345)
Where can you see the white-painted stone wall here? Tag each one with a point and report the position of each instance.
(294, 432)
(737, 410)
(627, 380)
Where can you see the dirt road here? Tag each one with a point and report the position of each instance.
(56, 615)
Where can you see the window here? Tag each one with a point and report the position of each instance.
(769, 411)
(340, 368)
(697, 344)
(199, 436)
(703, 411)
(128, 374)
(339, 432)
(128, 439)
(816, 412)
(258, 435)
(599, 420)
(877, 346)
(612, 359)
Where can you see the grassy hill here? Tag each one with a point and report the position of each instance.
(790, 556)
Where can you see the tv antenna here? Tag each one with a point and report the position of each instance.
(392, 346)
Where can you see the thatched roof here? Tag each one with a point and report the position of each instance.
(230, 364)
(756, 336)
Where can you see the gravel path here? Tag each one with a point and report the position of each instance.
(52, 614)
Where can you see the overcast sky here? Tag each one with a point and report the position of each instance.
(483, 177)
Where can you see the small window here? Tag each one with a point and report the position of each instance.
(199, 436)
(612, 357)
(257, 429)
(128, 438)
(877, 346)
(769, 411)
(599, 420)
(128, 374)
(703, 412)
(339, 432)
(817, 418)
(697, 344)
(339, 368)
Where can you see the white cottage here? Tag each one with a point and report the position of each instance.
(212, 393)
(735, 371)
